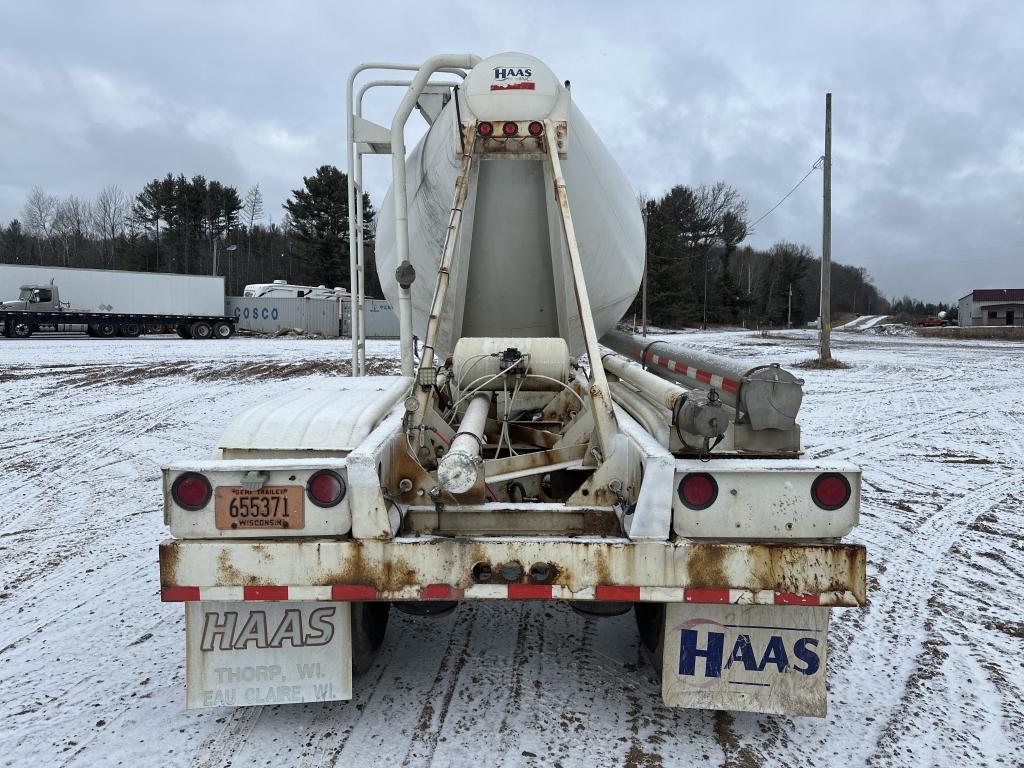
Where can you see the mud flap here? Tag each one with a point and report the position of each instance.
(752, 658)
(251, 653)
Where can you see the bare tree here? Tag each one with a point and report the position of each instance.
(109, 216)
(70, 224)
(252, 212)
(38, 214)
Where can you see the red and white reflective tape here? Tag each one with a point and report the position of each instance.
(600, 593)
(703, 377)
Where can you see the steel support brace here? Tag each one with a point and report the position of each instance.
(605, 427)
(444, 269)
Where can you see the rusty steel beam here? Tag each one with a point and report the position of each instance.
(406, 569)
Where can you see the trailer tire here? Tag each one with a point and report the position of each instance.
(201, 330)
(106, 330)
(183, 331)
(369, 624)
(650, 622)
(130, 330)
(21, 330)
(223, 330)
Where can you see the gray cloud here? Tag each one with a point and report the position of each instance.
(928, 109)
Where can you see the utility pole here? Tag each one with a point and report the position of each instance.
(214, 270)
(789, 308)
(704, 325)
(643, 302)
(825, 315)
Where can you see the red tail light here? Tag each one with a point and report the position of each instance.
(536, 128)
(191, 491)
(485, 129)
(510, 128)
(830, 491)
(698, 490)
(326, 488)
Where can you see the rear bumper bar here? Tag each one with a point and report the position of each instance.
(435, 568)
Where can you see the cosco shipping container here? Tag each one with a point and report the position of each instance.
(266, 315)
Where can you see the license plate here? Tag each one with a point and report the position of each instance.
(273, 506)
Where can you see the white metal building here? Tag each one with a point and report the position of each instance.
(992, 306)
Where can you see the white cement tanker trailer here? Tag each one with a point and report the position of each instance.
(513, 286)
(503, 464)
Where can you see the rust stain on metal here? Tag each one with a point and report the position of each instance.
(784, 567)
(169, 556)
(597, 523)
(562, 405)
(705, 567)
(390, 575)
(603, 573)
(540, 438)
(405, 466)
(228, 575)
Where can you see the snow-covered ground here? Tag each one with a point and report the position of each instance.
(931, 673)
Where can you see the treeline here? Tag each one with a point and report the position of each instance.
(180, 224)
(908, 309)
(699, 270)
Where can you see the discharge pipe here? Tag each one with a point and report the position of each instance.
(457, 469)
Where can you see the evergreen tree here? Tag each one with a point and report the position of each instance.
(318, 219)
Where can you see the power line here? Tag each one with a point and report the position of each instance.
(817, 164)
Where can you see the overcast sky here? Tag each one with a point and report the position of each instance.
(928, 107)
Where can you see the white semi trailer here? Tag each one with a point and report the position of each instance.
(109, 302)
(502, 464)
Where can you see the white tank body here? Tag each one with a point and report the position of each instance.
(510, 286)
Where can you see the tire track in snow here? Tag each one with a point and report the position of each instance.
(446, 680)
(905, 608)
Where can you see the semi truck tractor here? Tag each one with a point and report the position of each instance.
(105, 303)
(527, 451)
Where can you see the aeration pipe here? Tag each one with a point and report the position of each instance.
(419, 82)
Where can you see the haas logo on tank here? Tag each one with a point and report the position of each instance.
(512, 79)
(745, 655)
